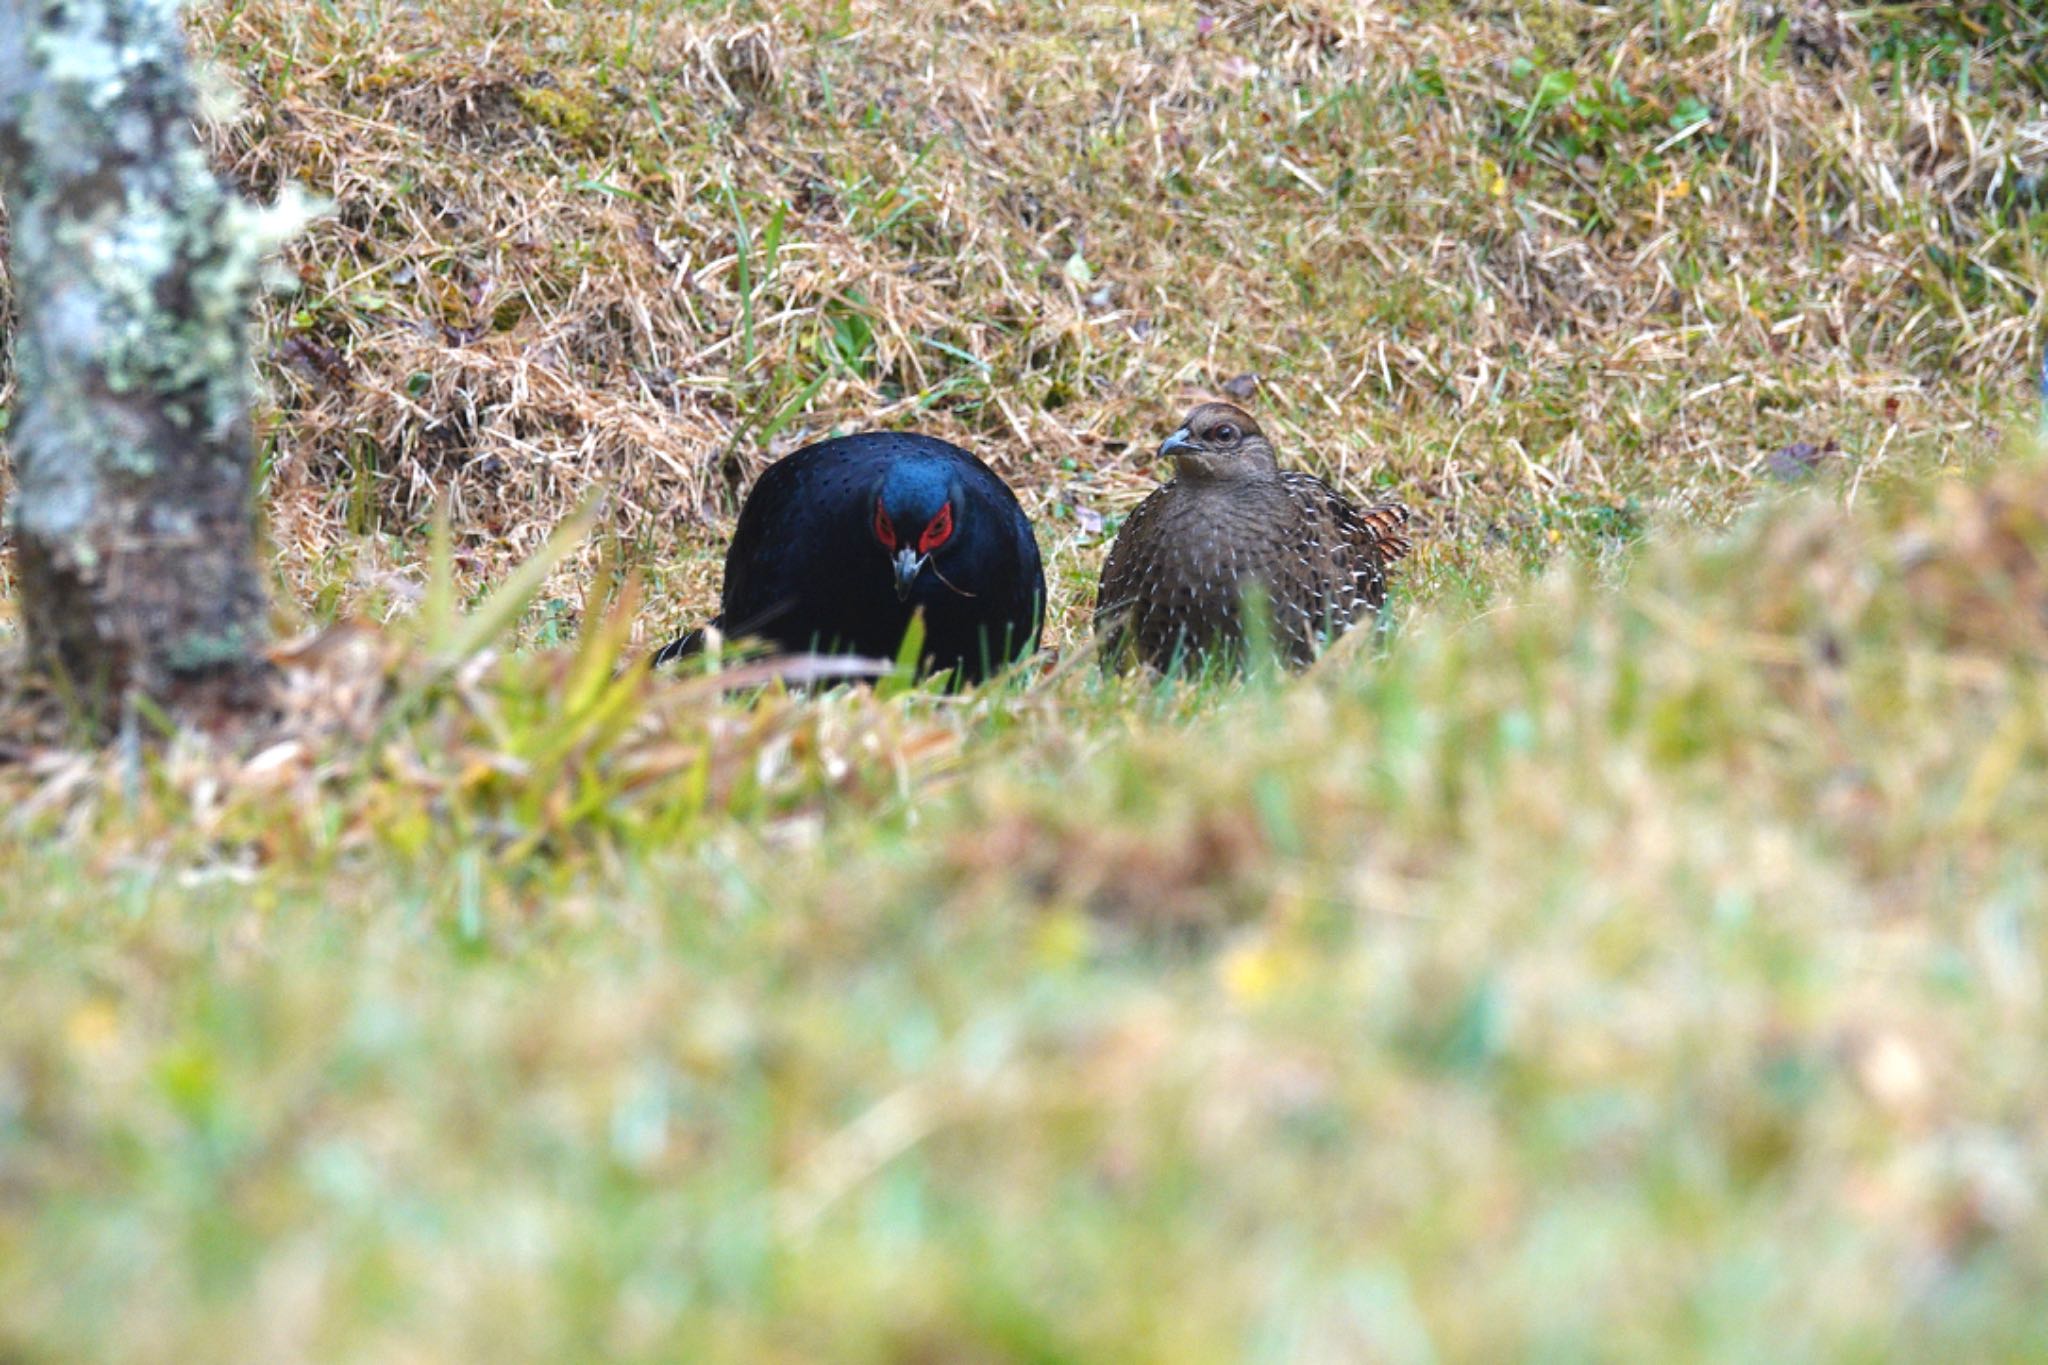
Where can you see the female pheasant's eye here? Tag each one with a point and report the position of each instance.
(1225, 434)
(885, 530)
(937, 531)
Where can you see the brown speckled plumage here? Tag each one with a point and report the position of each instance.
(1176, 579)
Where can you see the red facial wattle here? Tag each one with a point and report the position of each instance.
(885, 529)
(937, 531)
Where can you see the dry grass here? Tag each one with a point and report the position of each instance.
(641, 251)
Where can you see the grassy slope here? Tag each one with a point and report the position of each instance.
(1647, 958)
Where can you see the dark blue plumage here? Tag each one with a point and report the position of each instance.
(838, 544)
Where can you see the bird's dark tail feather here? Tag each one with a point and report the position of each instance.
(693, 643)
(684, 647)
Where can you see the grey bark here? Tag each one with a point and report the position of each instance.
(133, 270)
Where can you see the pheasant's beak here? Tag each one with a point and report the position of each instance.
(1180, 440)
(909, 564)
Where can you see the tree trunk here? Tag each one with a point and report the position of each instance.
(133, 270)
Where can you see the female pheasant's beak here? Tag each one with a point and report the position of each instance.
(909, 564)
(1180, 440)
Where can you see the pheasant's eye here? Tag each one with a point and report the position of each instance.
(937, 531)
(885, 530)
(1225, 434)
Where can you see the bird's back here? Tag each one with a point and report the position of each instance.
(1346, 550)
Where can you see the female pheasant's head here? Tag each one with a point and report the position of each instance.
(1219, 443)
(917, 511)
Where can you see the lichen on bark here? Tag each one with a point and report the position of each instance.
(134, 270)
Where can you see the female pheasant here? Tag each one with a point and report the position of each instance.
(839, 544)
(1231, 523)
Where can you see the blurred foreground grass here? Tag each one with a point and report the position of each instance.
(1652, 970)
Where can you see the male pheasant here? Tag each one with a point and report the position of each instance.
(1233, 522)
(839, 544)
